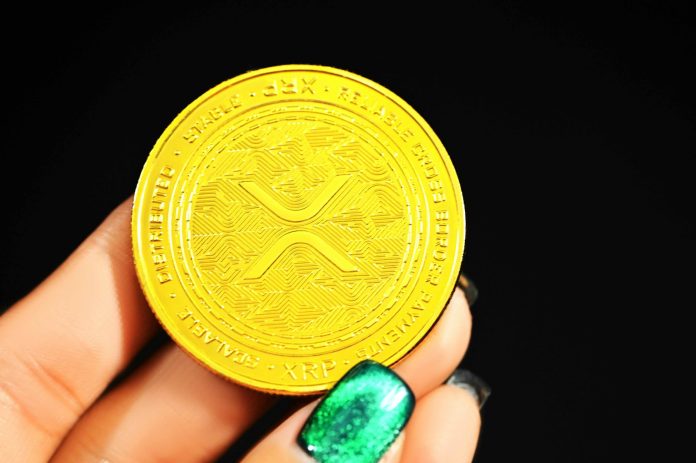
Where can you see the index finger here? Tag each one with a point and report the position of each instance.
(62, 344)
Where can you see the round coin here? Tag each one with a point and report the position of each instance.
(293, 221)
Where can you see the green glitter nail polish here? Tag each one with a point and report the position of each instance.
(359, 419)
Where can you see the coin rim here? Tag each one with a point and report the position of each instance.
(151, 299)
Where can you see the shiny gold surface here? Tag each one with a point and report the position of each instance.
(293, 221)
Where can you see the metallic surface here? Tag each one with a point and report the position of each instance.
(293, 221)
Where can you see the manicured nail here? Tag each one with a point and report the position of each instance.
(469, 288)
(360, 418)
(472, 384)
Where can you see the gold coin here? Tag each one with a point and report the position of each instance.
(293, 221)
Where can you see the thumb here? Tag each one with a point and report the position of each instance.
(360, 420)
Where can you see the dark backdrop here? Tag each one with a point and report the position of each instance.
(571, 128)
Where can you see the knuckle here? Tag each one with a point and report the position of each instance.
(34, 394)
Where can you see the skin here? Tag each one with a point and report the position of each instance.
(62, 344)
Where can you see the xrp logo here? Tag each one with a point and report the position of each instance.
(298, 216)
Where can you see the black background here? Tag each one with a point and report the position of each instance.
(572, 130)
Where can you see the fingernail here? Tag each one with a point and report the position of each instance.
(360, 417)
(471, 383)
(469, 288)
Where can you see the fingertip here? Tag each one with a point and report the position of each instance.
(112, 236)
(445, 427)
(441, 350)
(463, 399)
(459, 298)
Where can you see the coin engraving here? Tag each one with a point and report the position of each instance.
(299, 236)
(305, 218)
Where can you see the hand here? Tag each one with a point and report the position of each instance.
(62, 345)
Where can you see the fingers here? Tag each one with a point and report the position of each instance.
(444, 427)
(62, 344)
(358, 420)
(138, 421)
(171, 409)
(423, 370)
(434, 359)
